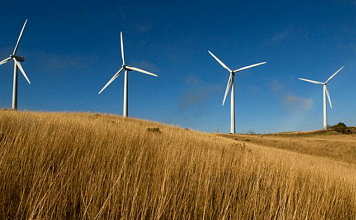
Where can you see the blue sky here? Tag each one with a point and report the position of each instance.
(72, 49)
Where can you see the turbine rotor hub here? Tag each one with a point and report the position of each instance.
(18, 58)
(125, 68)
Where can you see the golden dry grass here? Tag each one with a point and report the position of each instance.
(91, 166)
(328, 144)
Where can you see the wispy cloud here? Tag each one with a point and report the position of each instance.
(143, 27)
(282, 35)
(351, 46)
(290, 101)
(147, 65)
(198, 92)
(288, 34)
(297, 103)
(58, 62)
(275, 86)
(53, 62)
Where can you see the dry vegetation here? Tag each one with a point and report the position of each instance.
(330, 144)
(91, 166)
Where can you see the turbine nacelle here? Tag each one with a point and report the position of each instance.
(18, 58)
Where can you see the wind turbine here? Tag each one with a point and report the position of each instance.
(17, 65)
(326, 95)
(231, 87)
(125, 68)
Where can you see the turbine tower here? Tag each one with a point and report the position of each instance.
(126, 69)
(326, 95)
(231, 87)
(17, 65)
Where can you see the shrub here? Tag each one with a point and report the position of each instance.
(341, 128)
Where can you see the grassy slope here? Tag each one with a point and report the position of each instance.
(328, 144)
(71, 165)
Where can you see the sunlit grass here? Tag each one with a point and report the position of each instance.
(91, 166)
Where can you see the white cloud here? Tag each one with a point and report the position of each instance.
(295, 103)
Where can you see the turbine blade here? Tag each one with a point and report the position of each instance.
(140, 70)
(18, 64)
(228, 87)
(328, 95)
(248, 67)
(311, 81)
(111, 80)
(122, 48)
(19, 38)
(5, 61)
(219, 61)
(332, 76)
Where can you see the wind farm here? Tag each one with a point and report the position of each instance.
(174, 150)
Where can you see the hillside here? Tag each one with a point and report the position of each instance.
(330, 144)
(94, 166)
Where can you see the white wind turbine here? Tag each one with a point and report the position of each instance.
(230, 87)
(17, 65)
(125, 68)
(326, 95)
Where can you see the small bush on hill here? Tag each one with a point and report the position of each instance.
(341, 128)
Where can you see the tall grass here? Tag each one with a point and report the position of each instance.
(327, 144)
(90, 166)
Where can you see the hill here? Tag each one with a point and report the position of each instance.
(94, 166)
(330, 143)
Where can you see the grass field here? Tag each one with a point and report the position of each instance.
(93, 166)
(330, 144)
